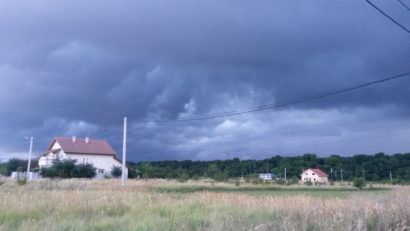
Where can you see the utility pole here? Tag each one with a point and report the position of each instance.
(267, 167)
(254, 166)
(391, 176)
(124, 152)
(341, 174)
(285, 174)
(331, 173)
(29, 157)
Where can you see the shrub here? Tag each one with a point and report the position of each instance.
(49, 172)
(257, 181)
(68, 169)
(247, 180)
(183, 177)
(116, 171)
(293, 180)
(237, 183)
(359, 182)
(3, 169)
(280, 181)
(84, 171)
(21, 180)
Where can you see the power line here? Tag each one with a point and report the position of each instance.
(387, 16)
(276, 106)
(404, 4)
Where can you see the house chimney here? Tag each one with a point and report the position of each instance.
(74, 139)
(87, 140)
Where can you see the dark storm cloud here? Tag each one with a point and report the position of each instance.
(70, 68)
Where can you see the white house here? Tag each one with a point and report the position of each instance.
(315, 176)
(267, 176)
(96, 152)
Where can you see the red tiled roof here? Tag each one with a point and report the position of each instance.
(319, 172)
(96, 147)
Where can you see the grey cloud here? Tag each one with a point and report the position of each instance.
(79, 67)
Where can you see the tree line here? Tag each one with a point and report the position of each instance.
(377, 167)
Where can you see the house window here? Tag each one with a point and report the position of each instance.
(313, 174)
(100, 171)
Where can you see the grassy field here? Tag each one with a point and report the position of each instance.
(168, 205)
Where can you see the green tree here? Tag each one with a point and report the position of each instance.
(146, 170)
(359, 182)
(3, 169)
(215, 173)
(13, 164)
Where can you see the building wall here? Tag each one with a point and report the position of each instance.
(56, 145)
(265, 176)
(103, 163)
(47, 160)
(311, 176)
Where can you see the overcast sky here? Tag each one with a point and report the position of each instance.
(78, 67)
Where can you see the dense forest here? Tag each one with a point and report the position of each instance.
(378, 167)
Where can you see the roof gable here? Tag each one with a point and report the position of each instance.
(317, 171)
(80, 146)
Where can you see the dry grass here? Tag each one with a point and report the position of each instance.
(103, 205)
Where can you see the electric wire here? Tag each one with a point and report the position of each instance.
(404, 4)
(276, 106)
(388, 16)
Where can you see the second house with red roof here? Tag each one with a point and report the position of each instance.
(314, 175)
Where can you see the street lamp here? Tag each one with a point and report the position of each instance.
(29, 156)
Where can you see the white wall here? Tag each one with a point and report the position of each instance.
(311, 176)
(100, 162)
(104, 162)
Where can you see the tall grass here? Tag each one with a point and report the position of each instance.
(104, 205)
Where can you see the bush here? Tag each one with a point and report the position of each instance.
(293, 180)
(116, 171)
(359, 182)
(2, 181)
(3, 169)
(247, 180)
(308, 183)
(257, 181)
(68, 169)
(183, 177)
(237, 183)
(49, 172)
(21, 180)
(280, 181)
(84, 171)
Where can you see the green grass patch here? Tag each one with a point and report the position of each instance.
(270, 190)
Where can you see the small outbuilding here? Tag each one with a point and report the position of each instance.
(267, 176)
(314, 176)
